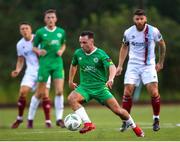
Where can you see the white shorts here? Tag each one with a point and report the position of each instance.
(31, 81)
(136, 73)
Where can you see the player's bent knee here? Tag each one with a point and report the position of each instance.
(23, 93)
(59, 93)
(155, 93)
(71, 99)
(128, 93)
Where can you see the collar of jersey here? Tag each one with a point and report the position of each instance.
(49, 29)
(30, 39)
(91, 52)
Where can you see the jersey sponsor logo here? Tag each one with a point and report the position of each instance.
(54, 42)
(95, 60)
(138, 43)
(89, 68)
(59, 35)
(26, 53)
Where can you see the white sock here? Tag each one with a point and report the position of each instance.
(155, 116)
(130, 122)
(19, 118)
(48, 121)
(33, 107)
(83, 115)
(59, 106)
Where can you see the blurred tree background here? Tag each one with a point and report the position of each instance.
(108, 19)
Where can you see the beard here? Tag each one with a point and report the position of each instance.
(140, 27)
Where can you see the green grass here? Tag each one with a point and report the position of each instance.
(106, 122)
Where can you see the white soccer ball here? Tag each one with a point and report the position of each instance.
(72, 122)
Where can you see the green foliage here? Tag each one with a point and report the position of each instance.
(108, 19)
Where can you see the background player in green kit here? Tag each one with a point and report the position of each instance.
(97, 73)
(51, 40)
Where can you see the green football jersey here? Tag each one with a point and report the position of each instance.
(51, 41)
(93, 67)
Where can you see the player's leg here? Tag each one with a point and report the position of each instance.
(113, 105)
(24, 90)
(150, 79)
(75, 100)
(131, 80)
(46, 102)
(58, 78)
(127, 96)
(59, 101)
(35, 100)
(155, 101)
(43, 75)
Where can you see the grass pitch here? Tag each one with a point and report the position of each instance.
(106, 122)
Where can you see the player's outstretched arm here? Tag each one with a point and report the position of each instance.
(19, 66)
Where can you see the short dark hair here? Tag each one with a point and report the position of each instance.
(90, 34)
(139, 12)
(24, 23)
(50, 11)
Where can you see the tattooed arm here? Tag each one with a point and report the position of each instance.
(162, 52)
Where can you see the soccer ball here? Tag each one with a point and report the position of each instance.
(72, 122)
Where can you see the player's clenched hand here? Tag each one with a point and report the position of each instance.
(72, 85)
(14, 73)
(109, 84)
(118, 70)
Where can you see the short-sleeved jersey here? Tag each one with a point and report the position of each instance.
(137, 45)
(93, 67)
(51, 41)
(24, 48)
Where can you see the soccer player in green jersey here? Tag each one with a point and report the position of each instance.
(51, 40)
(97, 73)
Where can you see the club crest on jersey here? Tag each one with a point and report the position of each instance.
(44, 35)
(95, 60)
(80, 58)
(59, 35)
(133, 36)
